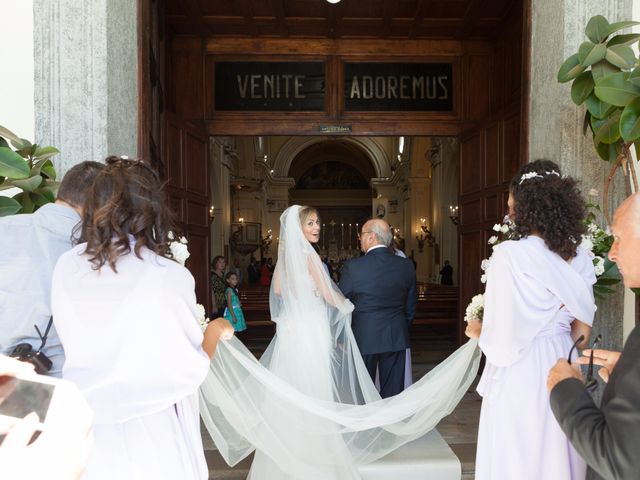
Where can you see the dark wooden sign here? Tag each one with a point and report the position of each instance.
(398, 87)
(271, 86)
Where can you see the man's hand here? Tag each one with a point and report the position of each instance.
(605, 358)
(474, 328)
(561, 371)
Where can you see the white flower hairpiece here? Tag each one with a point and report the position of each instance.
(529, 175)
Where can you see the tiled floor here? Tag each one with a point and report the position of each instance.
(459, 429)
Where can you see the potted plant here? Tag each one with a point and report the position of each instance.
(27, 167)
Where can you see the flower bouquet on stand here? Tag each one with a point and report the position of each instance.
(599, 241)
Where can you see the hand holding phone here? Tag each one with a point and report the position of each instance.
(55, 410)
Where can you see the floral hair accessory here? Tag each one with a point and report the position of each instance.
(527, 176)
(530, 175)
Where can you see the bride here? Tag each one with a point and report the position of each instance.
(309, 408)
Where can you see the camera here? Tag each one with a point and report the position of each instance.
(25, 353)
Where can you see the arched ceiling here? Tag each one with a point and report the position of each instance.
(320, 155)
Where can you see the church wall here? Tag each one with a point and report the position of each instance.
(555, 123)
(85, 93)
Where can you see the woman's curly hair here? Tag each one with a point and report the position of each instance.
(126, 200)
(549, 205)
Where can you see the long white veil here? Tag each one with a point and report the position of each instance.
(309, 407)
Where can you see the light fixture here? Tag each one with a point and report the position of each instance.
(333, 1)
(212, 213)
(423, 234)
(453, 214)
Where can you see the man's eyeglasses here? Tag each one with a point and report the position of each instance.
(362, 233)
(590, 382)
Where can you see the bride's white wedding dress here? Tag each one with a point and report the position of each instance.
(309, 408)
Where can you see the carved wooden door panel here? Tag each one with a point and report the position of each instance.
(186, 159)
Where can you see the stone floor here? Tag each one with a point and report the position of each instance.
(428, 349)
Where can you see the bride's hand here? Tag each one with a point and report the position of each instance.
(474, 328)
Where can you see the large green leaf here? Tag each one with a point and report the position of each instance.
(38, 199)
(25, 200)
(597, 29)
(634, 76)
(48, 194)
(27, 151)
(44, 167)
(582, 87)
(608, 152)
(8, 206)
(614, 27)
(21, 143)
(43, 153)
(3, 143)
(12, 165)
(597, 107)
(616, 89)
(8, 134)
(626, 39)
(607, 130)
(28, 184)
(630, 121)
(570, 69)
(590, 53)
(621, 56)
(586, 123)
(602, 69)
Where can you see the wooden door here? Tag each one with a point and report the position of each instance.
(186, 159)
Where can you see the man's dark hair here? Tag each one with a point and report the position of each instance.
(77, 182)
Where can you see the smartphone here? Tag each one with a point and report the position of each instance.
(20, 396)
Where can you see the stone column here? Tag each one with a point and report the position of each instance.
(85, 56)
(555, 123)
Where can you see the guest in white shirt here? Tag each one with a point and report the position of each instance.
(30, 245)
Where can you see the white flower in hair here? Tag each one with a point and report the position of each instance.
(552, 172)
(529, 175)
(497, 227)
(492, 240)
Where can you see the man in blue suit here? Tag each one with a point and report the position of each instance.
(382, 286)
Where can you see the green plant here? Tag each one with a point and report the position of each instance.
(27, 167)
(606, 78)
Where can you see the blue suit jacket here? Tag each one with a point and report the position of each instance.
(382, 286)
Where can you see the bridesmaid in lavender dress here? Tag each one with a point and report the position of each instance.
(538, 300)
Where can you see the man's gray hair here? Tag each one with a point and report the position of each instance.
(382, 232)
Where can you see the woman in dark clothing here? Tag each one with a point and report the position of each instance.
(218, 285)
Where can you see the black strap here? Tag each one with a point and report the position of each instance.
(46, 333)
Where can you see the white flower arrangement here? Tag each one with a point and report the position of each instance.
(201, 315)
(180, 253)
(598, 242)
(475, 309)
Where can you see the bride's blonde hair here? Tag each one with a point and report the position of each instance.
(305, 212)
